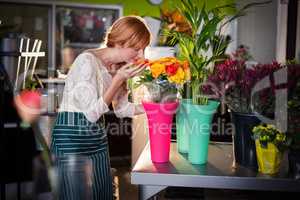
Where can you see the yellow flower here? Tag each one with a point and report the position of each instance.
(187, 74)
(178, 78)
(157, 69)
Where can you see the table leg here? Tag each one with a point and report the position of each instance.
(148, 191)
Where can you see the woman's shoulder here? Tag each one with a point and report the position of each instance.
(82, 67)
(84, 56)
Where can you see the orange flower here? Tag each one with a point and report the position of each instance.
(177, 17)
(176, 71)
(185, 65)
(157, 69)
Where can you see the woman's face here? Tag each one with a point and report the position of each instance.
(130, 54)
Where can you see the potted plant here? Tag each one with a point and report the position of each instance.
(270, 144)
(203, 46)
(162, 79)
(233, 82)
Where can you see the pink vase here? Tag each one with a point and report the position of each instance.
(160, 117)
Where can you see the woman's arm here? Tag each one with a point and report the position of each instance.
(81, 88)
(124, 73)
(124, 108)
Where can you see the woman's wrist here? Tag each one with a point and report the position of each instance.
(118, 79)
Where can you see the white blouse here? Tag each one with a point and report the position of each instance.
(85, 85)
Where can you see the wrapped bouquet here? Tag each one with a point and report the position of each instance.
(163, 78)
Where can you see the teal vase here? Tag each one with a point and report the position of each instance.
(199, 118)
(182, 132)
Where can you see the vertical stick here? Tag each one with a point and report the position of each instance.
(36, 58)
(26, 63)
(32, 50)
(19, 62)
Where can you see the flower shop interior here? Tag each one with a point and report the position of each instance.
(220, 95)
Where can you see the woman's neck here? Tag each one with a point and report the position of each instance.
(104, 55)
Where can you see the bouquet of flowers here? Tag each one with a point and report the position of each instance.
(232, 82)
(267, 133)
(163, 78)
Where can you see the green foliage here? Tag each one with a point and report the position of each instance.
(269, 134)
(145, 78)
(31, 84)
(205, 46)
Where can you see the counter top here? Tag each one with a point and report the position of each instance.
(217, 173)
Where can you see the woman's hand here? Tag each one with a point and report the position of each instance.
(128, 71)
(124, 73)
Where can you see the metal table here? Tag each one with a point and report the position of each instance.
(217, 173)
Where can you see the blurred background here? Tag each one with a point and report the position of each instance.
(66, 28)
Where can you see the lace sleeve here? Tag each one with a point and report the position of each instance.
(124, 108)
(85, 92)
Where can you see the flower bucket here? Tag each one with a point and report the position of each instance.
(160, 118)
(269, 158)
(182, 132)
(244, 145)
(199, 119)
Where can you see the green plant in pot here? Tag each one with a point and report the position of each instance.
(202, 48)
(270, 145)
(233, 82)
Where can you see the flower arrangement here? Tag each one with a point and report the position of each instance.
(232, 82)
(164, 77)
(172, 20)
(267, 133)
(270, 144)
(205, 45)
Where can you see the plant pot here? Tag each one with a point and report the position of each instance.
(294, 163)
(269, 158)
(160, 117)
(244, 145)
(199, 118)
(182, 131)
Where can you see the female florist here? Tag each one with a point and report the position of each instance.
(149, 99)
